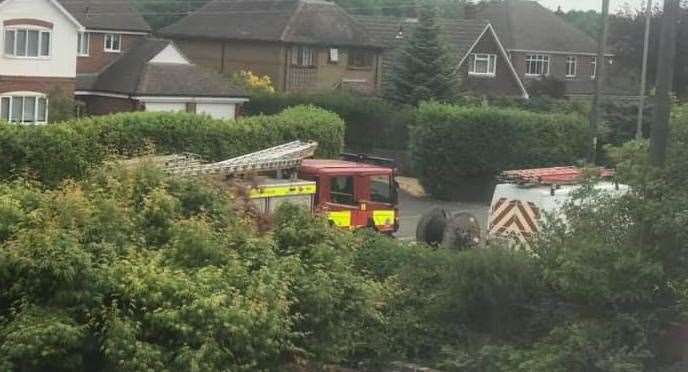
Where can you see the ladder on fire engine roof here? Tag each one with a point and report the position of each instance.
(286, 156)
(552, 176)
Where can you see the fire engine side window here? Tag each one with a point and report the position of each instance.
(380, 189)
(342, 190)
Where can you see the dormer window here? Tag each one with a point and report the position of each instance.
(113, 43)
(27, 42)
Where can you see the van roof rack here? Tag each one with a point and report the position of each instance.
(552, 175)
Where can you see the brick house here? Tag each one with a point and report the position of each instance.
(540, 43)
(303, 45)
(75, 45)
(484, 67)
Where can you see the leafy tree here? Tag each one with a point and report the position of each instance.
(425, 69)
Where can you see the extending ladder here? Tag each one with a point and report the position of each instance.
(286, 156)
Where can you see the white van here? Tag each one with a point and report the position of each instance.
(524, 196)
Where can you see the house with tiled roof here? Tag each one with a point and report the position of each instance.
(541, 43)
(303, 45)
(483, 65)
(102, 53)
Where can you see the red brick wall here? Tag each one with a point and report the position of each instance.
(98, 58)
(35, 84)
(97, 105)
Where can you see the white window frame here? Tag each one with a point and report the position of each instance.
(83, 44)
(111, 38)
(13, 97)
(544, 59)
(594, 67)
(490, 59)
(41, 37)
(302, 56)
(571, 61)
(333, 55)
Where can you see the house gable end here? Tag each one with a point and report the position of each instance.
(170, 54)
(8, 3)
(488, 42)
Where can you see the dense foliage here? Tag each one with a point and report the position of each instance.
(450, 142)
(132, 270)
(425, 67)
(53, 152)
(370, 122)
(626, 38)
(136, 271)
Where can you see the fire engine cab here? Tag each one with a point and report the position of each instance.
(354, 194)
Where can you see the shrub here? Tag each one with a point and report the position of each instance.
(134, 270)
(370, 121)
(450, 142)
(54, 152)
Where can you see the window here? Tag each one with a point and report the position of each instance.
(537, 65)
(381, 189)
(113, 42)
(483, 64)
(360, 59)
(27, 42)
(333, 56)
(594, 67)
(24, 109)
(302, 56)
(571, 66)
(82, 43)
(342, 190)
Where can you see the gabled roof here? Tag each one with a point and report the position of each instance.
(60, 7)
(289, 21)
(135, 75)
(115, 15)
(528, 26)
(391, 32)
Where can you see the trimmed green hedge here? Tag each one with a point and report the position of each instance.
(370, 122)
(451, 143)
(52, 153)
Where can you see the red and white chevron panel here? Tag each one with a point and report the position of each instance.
(513, 219)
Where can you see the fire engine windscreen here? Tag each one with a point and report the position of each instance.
(381, 189)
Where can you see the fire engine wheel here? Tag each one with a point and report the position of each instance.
(461, 232)
(430, 228)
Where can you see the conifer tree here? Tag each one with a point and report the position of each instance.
(425, 69)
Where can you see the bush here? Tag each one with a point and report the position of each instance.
(450, 142)
(370, 122)
(54, 152)
(132, 270)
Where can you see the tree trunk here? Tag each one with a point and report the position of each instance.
(659, 137)
(600, 67)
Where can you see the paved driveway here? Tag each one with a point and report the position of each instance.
(411, 208)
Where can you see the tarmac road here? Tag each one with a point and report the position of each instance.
(411, 209)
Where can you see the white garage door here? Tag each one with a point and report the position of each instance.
(217, 110)
(165, 106)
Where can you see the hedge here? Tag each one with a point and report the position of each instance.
(450, 143)
(54, 152)
(371, 122)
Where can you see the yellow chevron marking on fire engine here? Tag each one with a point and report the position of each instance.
(275, 191)
(340, 218)
(383, 217)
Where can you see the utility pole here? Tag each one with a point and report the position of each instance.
(643, 76)
(600, 67)
(665, 76)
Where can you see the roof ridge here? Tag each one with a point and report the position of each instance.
(293, 16)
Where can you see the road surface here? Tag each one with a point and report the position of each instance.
(411, 208)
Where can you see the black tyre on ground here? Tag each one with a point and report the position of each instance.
(430, 228)
(462, 231)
